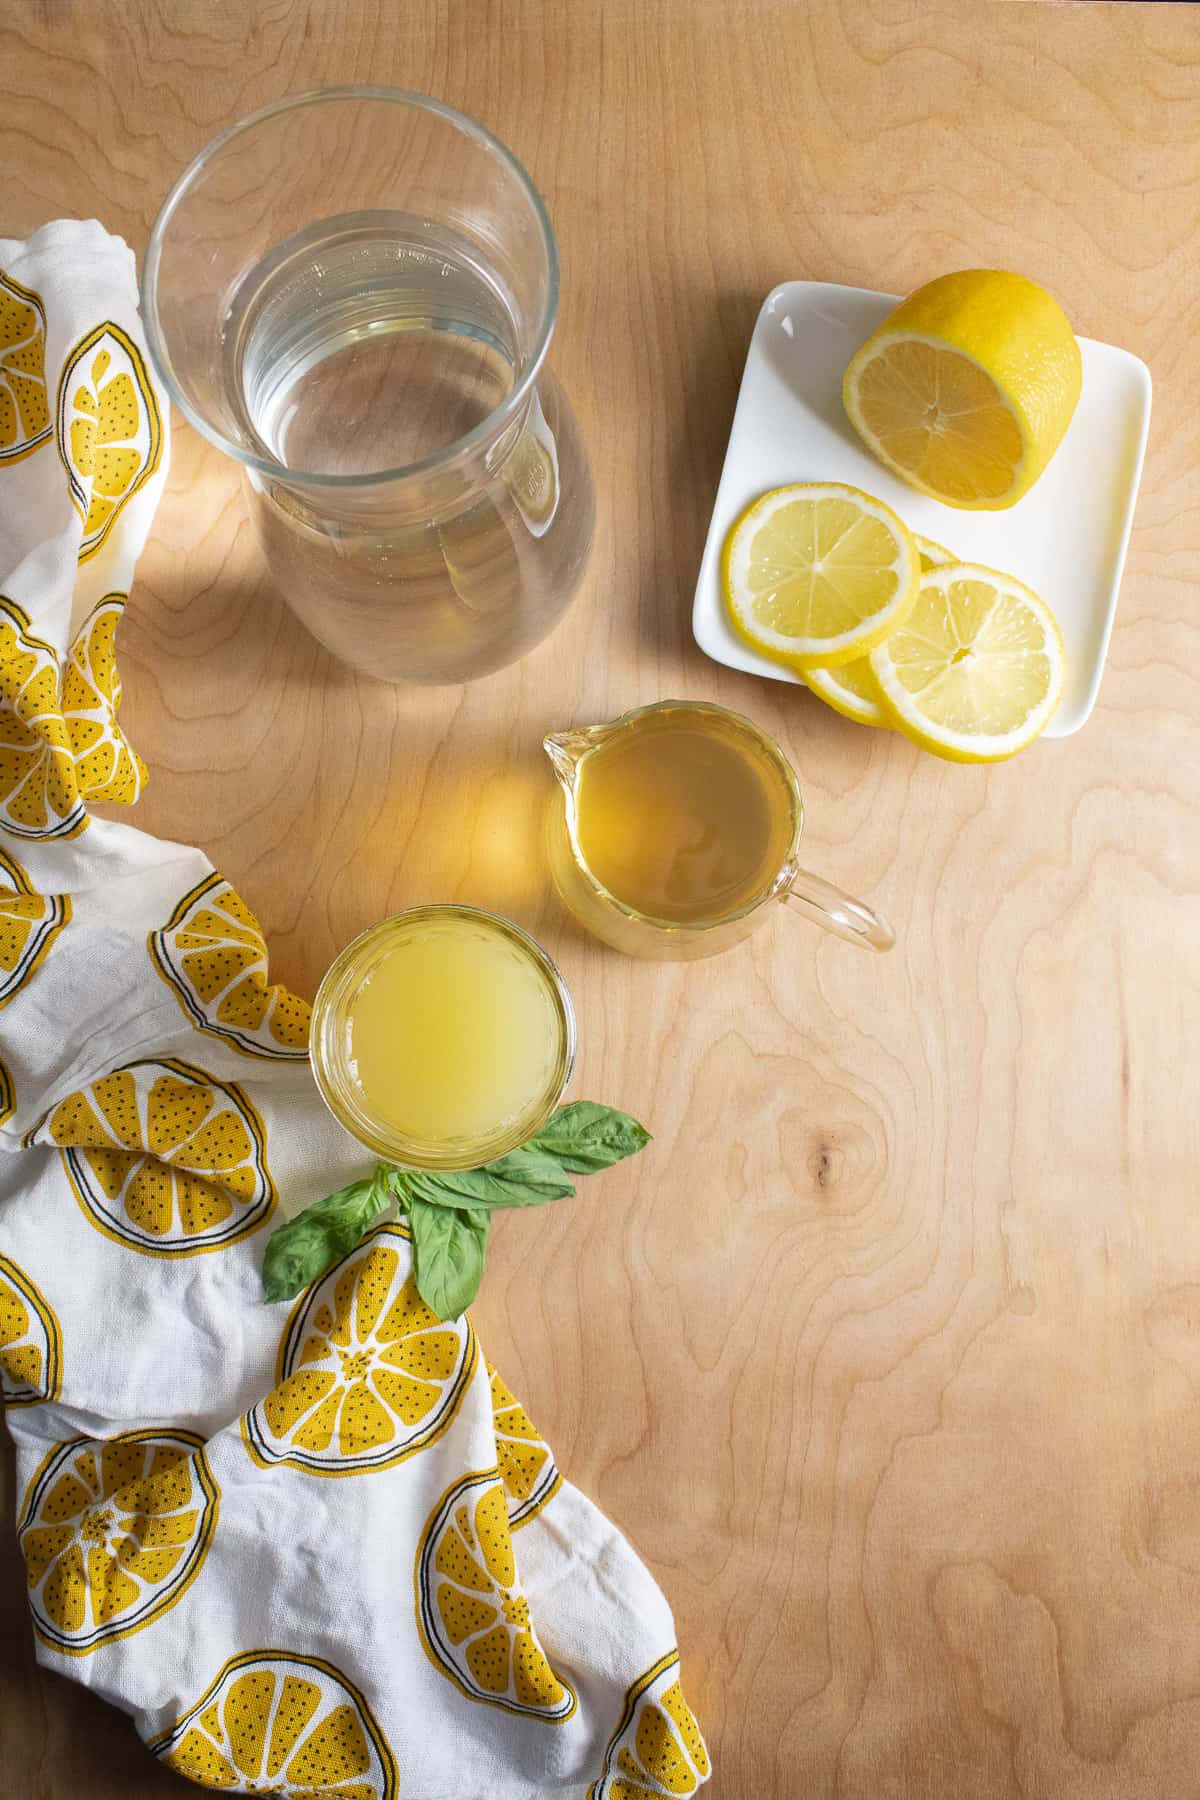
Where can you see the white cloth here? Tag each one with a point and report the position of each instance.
(312, 1548)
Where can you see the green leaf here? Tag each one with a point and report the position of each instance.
(585, 1137)
(304, 1247)
(448, 1250)
(522, 1178)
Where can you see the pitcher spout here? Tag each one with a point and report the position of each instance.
(566, 750)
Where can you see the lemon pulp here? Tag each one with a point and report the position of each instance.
(977, 669)
(455, 1033)
(968, 386)
(817, 573)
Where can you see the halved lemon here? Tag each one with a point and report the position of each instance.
(975, 672)
(852, 689)
(967, 388)
(817, 573)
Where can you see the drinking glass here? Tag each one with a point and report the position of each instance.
(352, 293)
(332, 1044)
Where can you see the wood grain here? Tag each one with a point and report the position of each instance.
(887, 1354)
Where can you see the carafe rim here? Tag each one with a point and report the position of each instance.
(489, 429)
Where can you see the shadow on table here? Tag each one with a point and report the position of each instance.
(696, 418)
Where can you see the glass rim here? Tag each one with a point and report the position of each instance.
(376, 1138)
(783, 876)
(488, 427)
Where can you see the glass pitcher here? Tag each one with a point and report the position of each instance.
(352, 293)
(640, 932)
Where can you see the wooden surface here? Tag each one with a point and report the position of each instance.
(887, 1354)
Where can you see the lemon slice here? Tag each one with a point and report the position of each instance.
(852, 689)
(818, 573)
(967, 388)
(933, 555)
(975, 672)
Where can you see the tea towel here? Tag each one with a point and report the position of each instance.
(315, 1549)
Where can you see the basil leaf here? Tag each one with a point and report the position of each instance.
(448, 1251)
(304, 1247)
(585, 1137)
(522, 1178)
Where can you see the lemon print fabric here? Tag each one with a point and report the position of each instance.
(106, 765)
(367, 1375)
(274, 1722)
(29, 924)
(109, 429)
(60, 743)
(532, 480)
(39, 794)
(8, 1097)
(165, 1158)
(113, 1534)
(657, 1747)
(526, 1464)
(24, 406)
(212, 954)
(531, 472)
(473, 1618)
(30, 1340)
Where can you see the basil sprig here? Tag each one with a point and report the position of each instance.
(449, 1211)
(322, 1234)
(449, 1245)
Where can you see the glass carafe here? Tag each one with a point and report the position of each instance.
(352, 293)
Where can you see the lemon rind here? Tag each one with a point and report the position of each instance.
(823, 682)
(933, 553)
(827, 653)
(849, 705)
(954, 747)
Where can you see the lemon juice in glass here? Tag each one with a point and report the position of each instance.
(443, 1038)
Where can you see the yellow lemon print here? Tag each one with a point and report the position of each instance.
(109, 429)
(212, 954)
(657, 1747)
(29, 924)
(30, 1340)
(107, 767)
(473, 1618)
(531, 472)
(367, 1374)
(526, 1464)
(39, 795)
(113, 1533)
(8, 1098)
(165, 1158)
(60, 741)
(276, 1723)
(24, 406)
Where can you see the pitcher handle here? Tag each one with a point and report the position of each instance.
(828, 906)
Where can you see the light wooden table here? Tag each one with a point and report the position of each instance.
(887, 1354)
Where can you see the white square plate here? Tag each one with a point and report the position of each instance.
(1066, 538)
